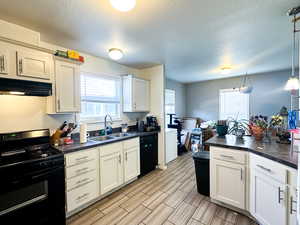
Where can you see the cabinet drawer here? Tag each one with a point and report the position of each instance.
(110, 149)
(229, 155)
(79, 196)
(81, 157)
(82, 180)
(268, 167)
(81, 169)
(131, 143)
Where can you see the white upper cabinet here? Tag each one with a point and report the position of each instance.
(22, 63)
(136, 94)
(66, 97)
(34, 64)
(67, 76)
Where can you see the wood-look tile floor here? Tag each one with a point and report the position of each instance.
(166, 197)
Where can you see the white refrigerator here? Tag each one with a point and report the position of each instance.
(171, 145)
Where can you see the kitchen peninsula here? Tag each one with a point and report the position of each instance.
(254, 177)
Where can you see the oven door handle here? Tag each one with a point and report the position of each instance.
(46, 174)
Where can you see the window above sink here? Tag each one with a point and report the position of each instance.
(100, 95)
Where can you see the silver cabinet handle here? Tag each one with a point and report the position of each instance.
(227, 156)
(292, 211)
(20, 66)
(264, 168)
(120, 158)
(279, 195)
(82, 197)
(241, 174)
(2, 63)
(82, 158)
(58, 104)
(81, 171)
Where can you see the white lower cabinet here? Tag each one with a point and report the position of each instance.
(111, 167)
(292, 206)
(267, 189)
(131, 159)
(92, 173)
(268, 199)
(228, 176)
(82, 178)
(272, 192)
(228, 183)
(119, 163)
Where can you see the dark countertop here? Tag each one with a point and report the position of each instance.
(277, 152)
(90, 144)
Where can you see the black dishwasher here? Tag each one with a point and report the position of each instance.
(148, 153)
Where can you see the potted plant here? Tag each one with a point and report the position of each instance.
(238, 127)
(276, 123)
(258, 125)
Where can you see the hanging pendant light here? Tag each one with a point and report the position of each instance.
(246, 89)
(293, 82)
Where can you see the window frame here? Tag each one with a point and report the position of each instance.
(118, 101)
(247, 103)
(170, 90)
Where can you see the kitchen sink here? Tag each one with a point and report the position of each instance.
(101, 138)
(120, 135)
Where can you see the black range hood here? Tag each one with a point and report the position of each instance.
(24, 87)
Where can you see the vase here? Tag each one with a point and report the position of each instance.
(257, 132)
(222, 130)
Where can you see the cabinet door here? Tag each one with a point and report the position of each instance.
(4, 57)
(228, 183)
(34, 64)
(292, 206)
(67, 87)
(111, 171)
(268, 200)
(131, 163)
(141, 97)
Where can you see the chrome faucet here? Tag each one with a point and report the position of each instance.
(106, 127)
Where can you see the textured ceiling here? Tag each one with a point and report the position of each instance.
(193, 38)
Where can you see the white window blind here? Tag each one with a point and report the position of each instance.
(169, 101)
(100, 95)
(233, 104)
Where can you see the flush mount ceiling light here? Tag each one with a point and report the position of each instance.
(225, 69)
(115, 53)
(123, 5)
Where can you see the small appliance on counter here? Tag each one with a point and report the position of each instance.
(32, 189)
(151, 123)
(140, 125)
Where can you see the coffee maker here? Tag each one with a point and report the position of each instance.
(151, 123)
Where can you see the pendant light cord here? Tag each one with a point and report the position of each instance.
(294, 47)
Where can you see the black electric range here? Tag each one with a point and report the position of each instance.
(32, 189)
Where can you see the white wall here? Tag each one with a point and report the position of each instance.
(180, 96)
(157, 77)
